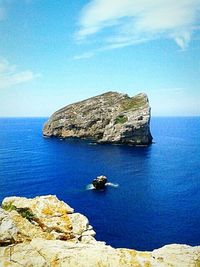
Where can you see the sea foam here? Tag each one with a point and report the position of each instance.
(91, 187)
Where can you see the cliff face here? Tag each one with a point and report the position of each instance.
(108, 118)
(44, 231)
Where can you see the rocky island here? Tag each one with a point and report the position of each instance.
(45, 231)
(100, 182)
(108, 118)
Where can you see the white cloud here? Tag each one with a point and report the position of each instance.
(84, 56)
(9, 75)
(133, 21)
(171, 90)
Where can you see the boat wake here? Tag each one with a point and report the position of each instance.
(91, 187)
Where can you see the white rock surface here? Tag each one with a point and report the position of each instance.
(31, 241)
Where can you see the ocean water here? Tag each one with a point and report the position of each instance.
(153, 197)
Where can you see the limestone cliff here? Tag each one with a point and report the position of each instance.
(44, 231)
(108, 118)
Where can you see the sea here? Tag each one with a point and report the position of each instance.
(153, 195)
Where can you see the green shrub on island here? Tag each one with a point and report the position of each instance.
(24, 212)
(9, 207)
(133, 103)
(121, 119)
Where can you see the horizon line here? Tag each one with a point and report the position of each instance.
(152, 116)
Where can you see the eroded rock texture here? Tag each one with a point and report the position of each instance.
(108, 118)
(44, 231)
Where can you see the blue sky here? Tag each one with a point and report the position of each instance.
(53, 53)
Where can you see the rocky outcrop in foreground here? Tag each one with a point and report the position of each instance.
(44, 231)
(108, 118)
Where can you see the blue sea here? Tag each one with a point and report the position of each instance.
(154, 195)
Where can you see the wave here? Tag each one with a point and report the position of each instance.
(112, 185)
(91, 187)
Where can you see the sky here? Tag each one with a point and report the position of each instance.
(53, 53)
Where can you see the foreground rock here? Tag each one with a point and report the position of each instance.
(44, 231)
(108, 118)
(100, 182)
(22, 219)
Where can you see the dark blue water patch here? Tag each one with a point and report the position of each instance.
(157, 201)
